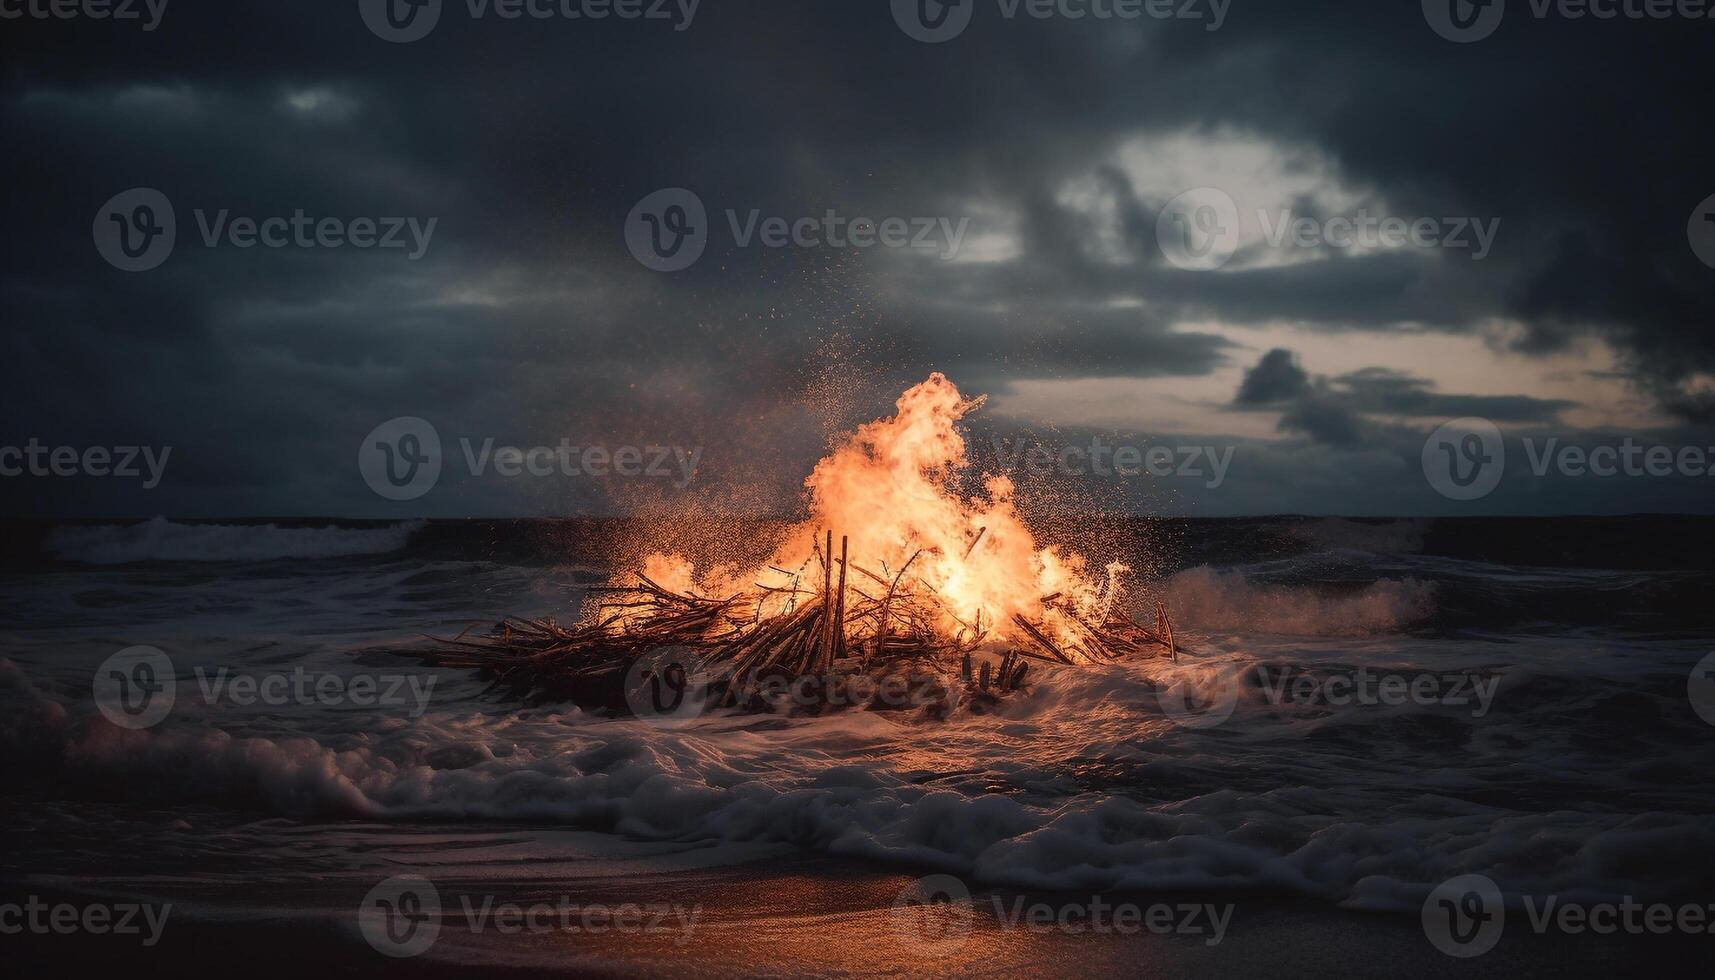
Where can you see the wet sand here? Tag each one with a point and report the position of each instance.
(794, 916)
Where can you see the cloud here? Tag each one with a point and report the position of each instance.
(1326, 421)
(1385, 391)
(1275, 378)
(530, 141)
(1354, 409)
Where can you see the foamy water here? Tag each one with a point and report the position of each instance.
(1582, 775)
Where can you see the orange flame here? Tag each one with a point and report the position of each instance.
(889, 488)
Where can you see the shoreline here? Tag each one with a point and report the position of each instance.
(799, 916)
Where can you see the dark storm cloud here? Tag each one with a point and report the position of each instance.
(528, 142)
(1275, 378)
(1388, 392)
(1325, 420)
(1353, 409)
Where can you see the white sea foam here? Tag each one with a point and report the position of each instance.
(1371, 813)
(1217, 599)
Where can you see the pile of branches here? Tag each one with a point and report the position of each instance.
(885, 633)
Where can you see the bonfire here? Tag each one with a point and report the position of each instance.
(893, 577)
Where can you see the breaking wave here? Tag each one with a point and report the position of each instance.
(1281, 816)
(1217, 599)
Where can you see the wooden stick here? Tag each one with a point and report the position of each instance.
(980, 532)
(1167, 629)
(1041, 640)
(881, 627)
(840, 608)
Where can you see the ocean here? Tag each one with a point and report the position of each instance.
(1363, 712)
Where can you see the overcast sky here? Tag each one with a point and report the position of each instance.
(1553, 175)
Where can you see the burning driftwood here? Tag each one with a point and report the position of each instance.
(970, 600)
(849, 636)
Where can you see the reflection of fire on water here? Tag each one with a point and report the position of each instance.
(893, 574)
